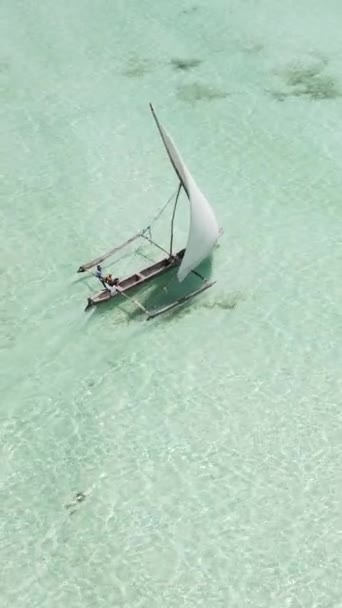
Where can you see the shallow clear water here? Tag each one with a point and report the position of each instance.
(208, 442)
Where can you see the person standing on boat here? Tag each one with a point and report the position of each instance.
(99, 276)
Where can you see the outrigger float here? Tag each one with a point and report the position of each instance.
(204, 233)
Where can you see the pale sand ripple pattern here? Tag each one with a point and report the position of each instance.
(207, 444)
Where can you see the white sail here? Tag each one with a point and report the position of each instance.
(204, 230)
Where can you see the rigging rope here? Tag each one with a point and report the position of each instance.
(142, 233)
(148, 228)
(146, 233)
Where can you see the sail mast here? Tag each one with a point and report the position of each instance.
(173, 216)
(167, 143)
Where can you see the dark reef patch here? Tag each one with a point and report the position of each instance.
(199, 92)
(306, 79)
(313, 85)
(190, 11)
(225, 303)
(185, 64)
(137, 67)
(78, 498)
(252, 49)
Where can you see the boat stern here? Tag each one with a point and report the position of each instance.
(90, 303)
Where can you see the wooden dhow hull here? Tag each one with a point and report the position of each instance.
(137, 279)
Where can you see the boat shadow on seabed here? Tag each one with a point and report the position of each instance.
(167, 291)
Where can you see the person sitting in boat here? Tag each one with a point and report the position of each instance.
(113, 289)
(110, 281)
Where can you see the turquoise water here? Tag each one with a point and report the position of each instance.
(207, 443)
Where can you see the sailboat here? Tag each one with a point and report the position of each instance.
(204, 233)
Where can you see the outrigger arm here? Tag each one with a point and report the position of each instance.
(103, 257)
(159, 311)
(136, 302)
